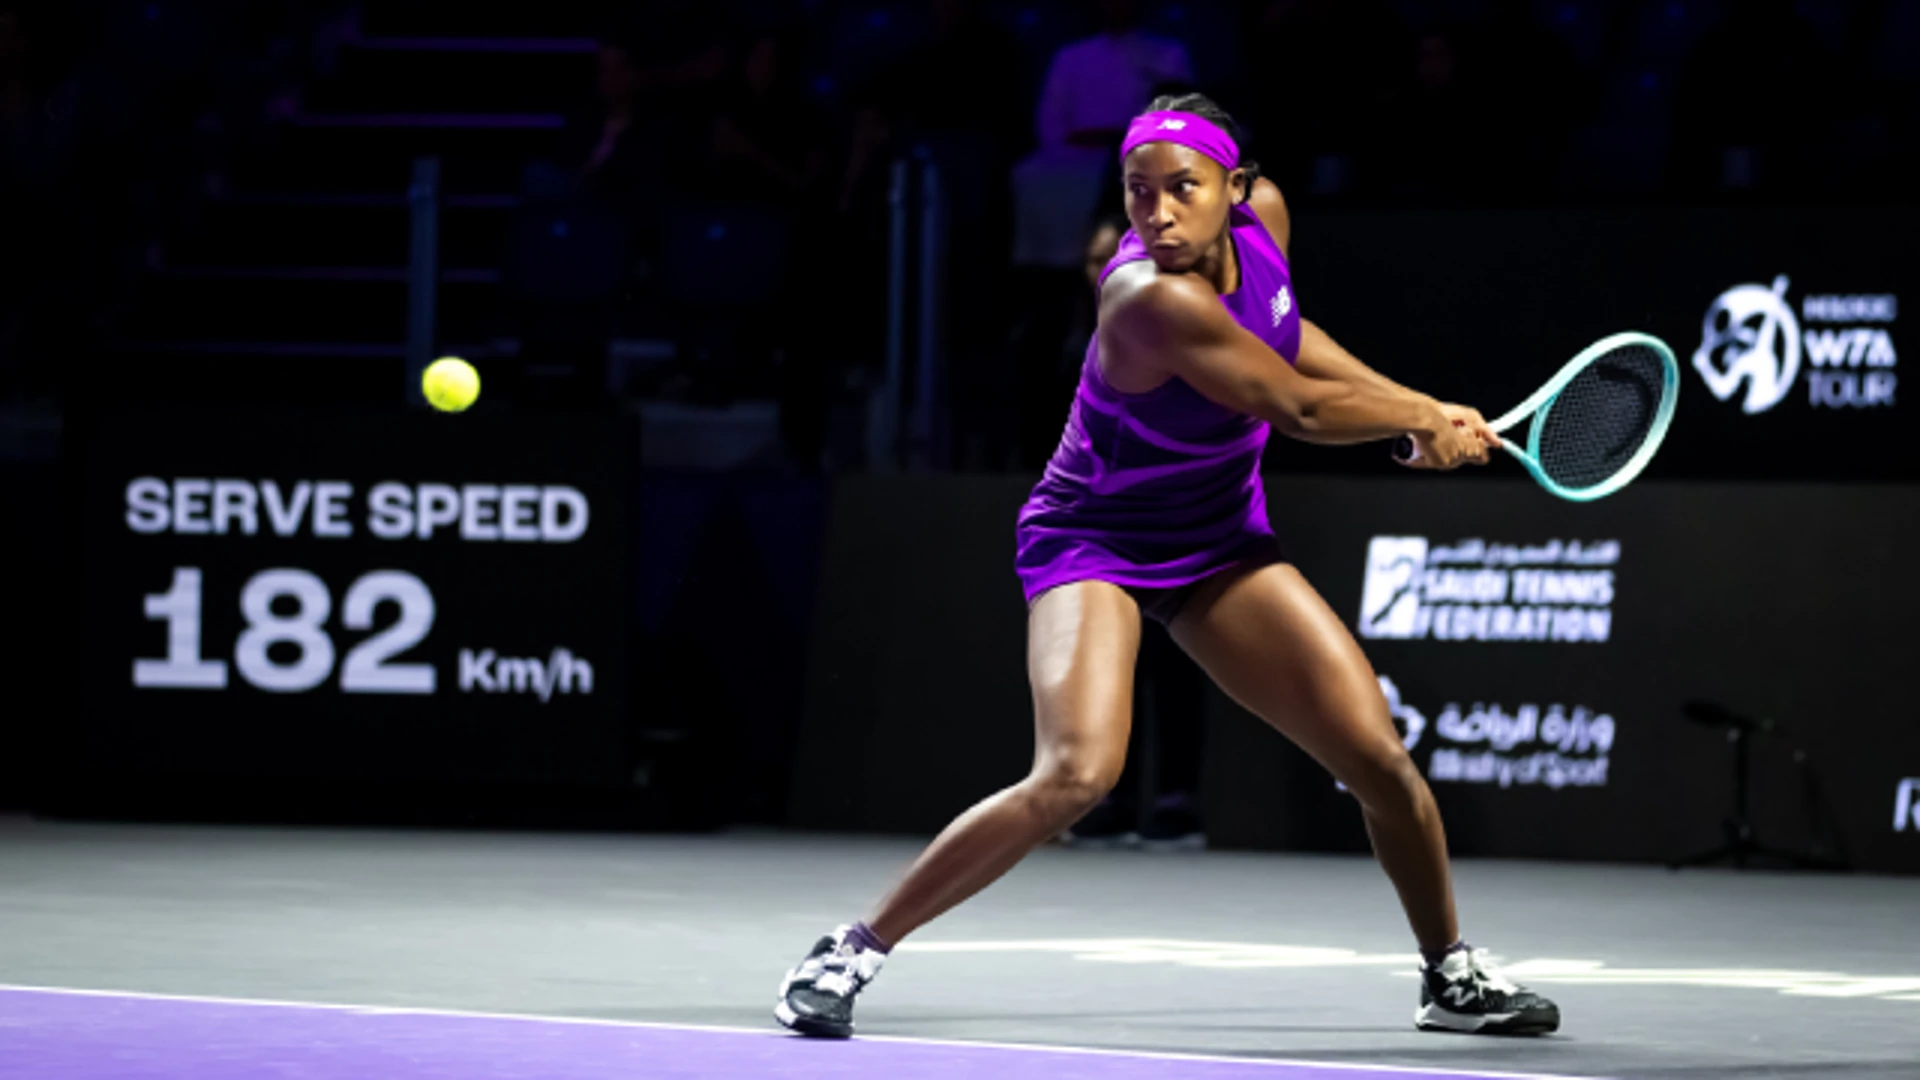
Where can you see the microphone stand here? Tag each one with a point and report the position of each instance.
(1741, 846)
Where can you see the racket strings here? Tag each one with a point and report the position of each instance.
(1594, 426)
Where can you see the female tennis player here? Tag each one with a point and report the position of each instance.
(1153, 503)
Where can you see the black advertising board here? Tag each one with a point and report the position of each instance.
(1787, 323)
(336, 598)
(1538, 655)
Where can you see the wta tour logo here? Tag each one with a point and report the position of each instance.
(1753, 341)
(1751, 336)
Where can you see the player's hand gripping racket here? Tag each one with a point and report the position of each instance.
(1597, 422)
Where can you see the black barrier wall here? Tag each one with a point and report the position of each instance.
(327, 604)
(1537, 654)
(1786, 323)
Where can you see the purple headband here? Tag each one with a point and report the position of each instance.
(1184, 128)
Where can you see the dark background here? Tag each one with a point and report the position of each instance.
(668, 236)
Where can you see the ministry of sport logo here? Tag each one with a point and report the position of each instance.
(1752, 345)
(1472, 590)
(1554, 746)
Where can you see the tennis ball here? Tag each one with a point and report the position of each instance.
(450, 384)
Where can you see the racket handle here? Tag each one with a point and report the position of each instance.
(1404, 451)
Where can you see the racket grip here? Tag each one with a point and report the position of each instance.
(1404, 451)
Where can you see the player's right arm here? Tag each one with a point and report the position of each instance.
(1175, 322)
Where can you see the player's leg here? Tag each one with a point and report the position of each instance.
(1082, 640)
(1272, 644)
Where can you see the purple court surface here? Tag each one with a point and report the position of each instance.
(121, 1037)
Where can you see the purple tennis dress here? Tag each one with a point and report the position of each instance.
(1159, 490)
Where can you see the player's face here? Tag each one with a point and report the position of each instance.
(1177, 200)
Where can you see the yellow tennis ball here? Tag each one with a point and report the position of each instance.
(450, 384)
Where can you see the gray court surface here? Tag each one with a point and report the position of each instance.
(1305, 958)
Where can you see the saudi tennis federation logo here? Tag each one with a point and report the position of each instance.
(1751, 336)
(1474, 590)
(1390, 599)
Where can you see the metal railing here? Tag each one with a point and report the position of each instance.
(906, 418)
(423, 273)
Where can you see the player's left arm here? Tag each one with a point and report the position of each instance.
(1321, 357)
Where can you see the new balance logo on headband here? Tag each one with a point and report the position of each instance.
(1173, 125)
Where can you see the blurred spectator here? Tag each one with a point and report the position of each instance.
(861, 190)
(841, 338)
(1437, 122)
(766, 143)
(614, 163)
(23, 168)
(1052, 344)
(962, 98)
(1094, 87)
(1102, 245)
(769, 148)
(588, 228)
(1753, 106)
(679, 49)
(654, 85)
(1530, 94)
(964, 104)
(965, 80)
(1490, 109)
(1326, 79)
(63, 183)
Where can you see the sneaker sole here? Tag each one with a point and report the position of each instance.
(1435, 1018)
(817, 1029)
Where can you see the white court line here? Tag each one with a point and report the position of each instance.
(1229, 955)
(645, 1025)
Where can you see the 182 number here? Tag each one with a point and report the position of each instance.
(367, 669)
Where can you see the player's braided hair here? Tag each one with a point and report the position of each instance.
(1205, 107)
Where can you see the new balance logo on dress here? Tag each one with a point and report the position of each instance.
(1282, 303)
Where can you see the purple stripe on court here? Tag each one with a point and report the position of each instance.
(86, 1036)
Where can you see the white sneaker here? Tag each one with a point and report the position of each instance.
(816, 997)
(1466, 992)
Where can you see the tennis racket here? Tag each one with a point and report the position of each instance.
(1597, 422)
